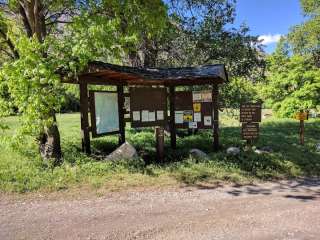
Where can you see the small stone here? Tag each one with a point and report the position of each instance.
(125, 151)
(267, 149)
(258, 151)
(318, 147)
(197, 153)
(234, 151)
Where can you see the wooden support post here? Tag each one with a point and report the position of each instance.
(215, 106)
(173, 137)
(84, 102)
(301, 132)
(159, 132)
(122, 123)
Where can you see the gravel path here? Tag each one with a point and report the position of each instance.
(278, 210)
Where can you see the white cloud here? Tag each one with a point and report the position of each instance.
(269, 38)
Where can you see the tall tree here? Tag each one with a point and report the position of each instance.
(44, 40)
(305, 37)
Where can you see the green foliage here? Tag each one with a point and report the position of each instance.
(237, 91)
(21, 169)
(304, 37)
(33, 84)
(293, 83)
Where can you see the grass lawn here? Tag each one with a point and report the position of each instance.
(21, 169)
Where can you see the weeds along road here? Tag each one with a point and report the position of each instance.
(278, 210)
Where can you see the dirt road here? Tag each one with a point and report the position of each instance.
(282, 210)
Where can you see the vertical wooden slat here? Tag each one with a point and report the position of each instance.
(84, 117)
(215, 105)
(122, 124)
(92, 111)
(159, 132)
(172, 117)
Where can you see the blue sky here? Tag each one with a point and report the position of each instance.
(269, 18)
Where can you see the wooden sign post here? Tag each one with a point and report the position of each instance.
(160, 143)
(250, 116)
(301, 116)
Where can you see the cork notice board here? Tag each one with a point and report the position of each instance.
(148, 107)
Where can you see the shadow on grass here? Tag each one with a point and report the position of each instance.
(288, 159)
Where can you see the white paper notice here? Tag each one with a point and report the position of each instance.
(152, 116)
(178, 115)
(136, 115)
(197, 117)
(196, 96)
(193, 125)
(145, 116)
(207, 120)
(160, 115)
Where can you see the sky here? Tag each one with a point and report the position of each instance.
(269, 19)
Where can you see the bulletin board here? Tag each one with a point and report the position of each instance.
(148, 107)
(193, 109)
(104, 113)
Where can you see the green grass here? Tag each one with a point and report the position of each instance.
(22, 170)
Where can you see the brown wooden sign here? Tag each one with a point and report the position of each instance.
(250, 112)
(193, 109)
(250, 131)
(148, 106)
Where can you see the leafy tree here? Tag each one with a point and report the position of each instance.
(199, 32)
(305, 37)
(293, 82)
(47, 40)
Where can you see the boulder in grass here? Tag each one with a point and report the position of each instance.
(198, 154)
(233, 151)
(124, 152)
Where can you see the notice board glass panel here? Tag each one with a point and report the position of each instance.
(106, 112)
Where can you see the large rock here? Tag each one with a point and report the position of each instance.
(196, 153)
(233, 151)
(125, 151)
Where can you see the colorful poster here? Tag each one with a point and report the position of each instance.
(207, 120)
(145, 116)
(187, 116)
(178, 115)
(193, 125)
(197, 107)
(136, 115)
(197, 117)
(160, 115)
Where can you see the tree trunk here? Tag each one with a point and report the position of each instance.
(49, 144)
